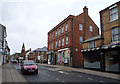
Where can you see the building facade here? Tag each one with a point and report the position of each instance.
(4, 48)
(64, 40)
(110, 28)
(38, 55)
(103, 53)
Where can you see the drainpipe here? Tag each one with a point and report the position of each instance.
(72, 42)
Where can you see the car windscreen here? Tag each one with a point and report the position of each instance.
(29, 63)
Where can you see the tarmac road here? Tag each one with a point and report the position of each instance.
(54, 74)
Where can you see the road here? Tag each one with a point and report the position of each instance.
(54, 74)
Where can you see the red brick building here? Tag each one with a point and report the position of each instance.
(38, 55)
(64, 40)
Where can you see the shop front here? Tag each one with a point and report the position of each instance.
(50, 57)
(92, 60)
(112, 58)
(63, 57)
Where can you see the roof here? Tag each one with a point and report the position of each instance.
(93, 38)
(41, 49)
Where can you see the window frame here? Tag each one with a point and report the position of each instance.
(91, 28)
(115, 34)
(66, 40)
(80, 27)
(113, 14)
(62, 29)
(62, 41)
(66, 27)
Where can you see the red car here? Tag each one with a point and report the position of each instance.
(29, 66)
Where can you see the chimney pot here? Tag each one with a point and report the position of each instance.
(85, 10)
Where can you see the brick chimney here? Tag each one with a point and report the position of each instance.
(85, 10)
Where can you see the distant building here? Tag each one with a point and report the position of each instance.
(23, 53)
(38, 55)
(65, 39)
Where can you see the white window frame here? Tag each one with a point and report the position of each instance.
(113, 13)
(81, 39)
(63, 42)
(59, 43)
(56, 45)
(66, 40)
(56, 33)
(59, 32)
(90, 28)
(66, 27)
(62, 29)
(80, 27)
(115, 33)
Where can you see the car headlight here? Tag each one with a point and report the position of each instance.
(36, 67)
(25, 68)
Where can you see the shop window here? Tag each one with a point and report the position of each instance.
(114, 13)
(92, 60)
(112, 61)
(116, 34)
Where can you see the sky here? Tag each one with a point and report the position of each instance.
(29, 21)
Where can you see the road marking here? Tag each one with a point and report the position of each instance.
(63, 81)
(57, 78)
(60, 71)
(101, 81)
(80, 76)
(90, 78)
(66, 73)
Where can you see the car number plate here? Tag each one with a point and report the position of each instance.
(31, 70)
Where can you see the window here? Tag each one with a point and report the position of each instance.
(59, 43)
(59, 32)
(90, 28)
(80, 27)
(52, 36)
(116, 34)
(66, 27)
(63, 42)
(66, 40)
(113, 14)
(56, 33)
(49, 46)
(92, 44)
(62, 29)
(52, 45)
(56, 44)
(81, 39)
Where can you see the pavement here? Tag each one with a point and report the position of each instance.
(11, 75)
(92, 72)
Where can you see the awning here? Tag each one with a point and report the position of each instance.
(62, 49)
(92, 49)
(50, 52)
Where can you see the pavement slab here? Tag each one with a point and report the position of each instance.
(10, 74)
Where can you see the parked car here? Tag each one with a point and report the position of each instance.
(29, 66)
(14, 61)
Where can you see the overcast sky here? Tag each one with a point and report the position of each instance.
(29, 21)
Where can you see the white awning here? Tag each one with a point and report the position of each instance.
(62, 49)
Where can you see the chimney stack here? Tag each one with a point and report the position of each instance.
(85, 10)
